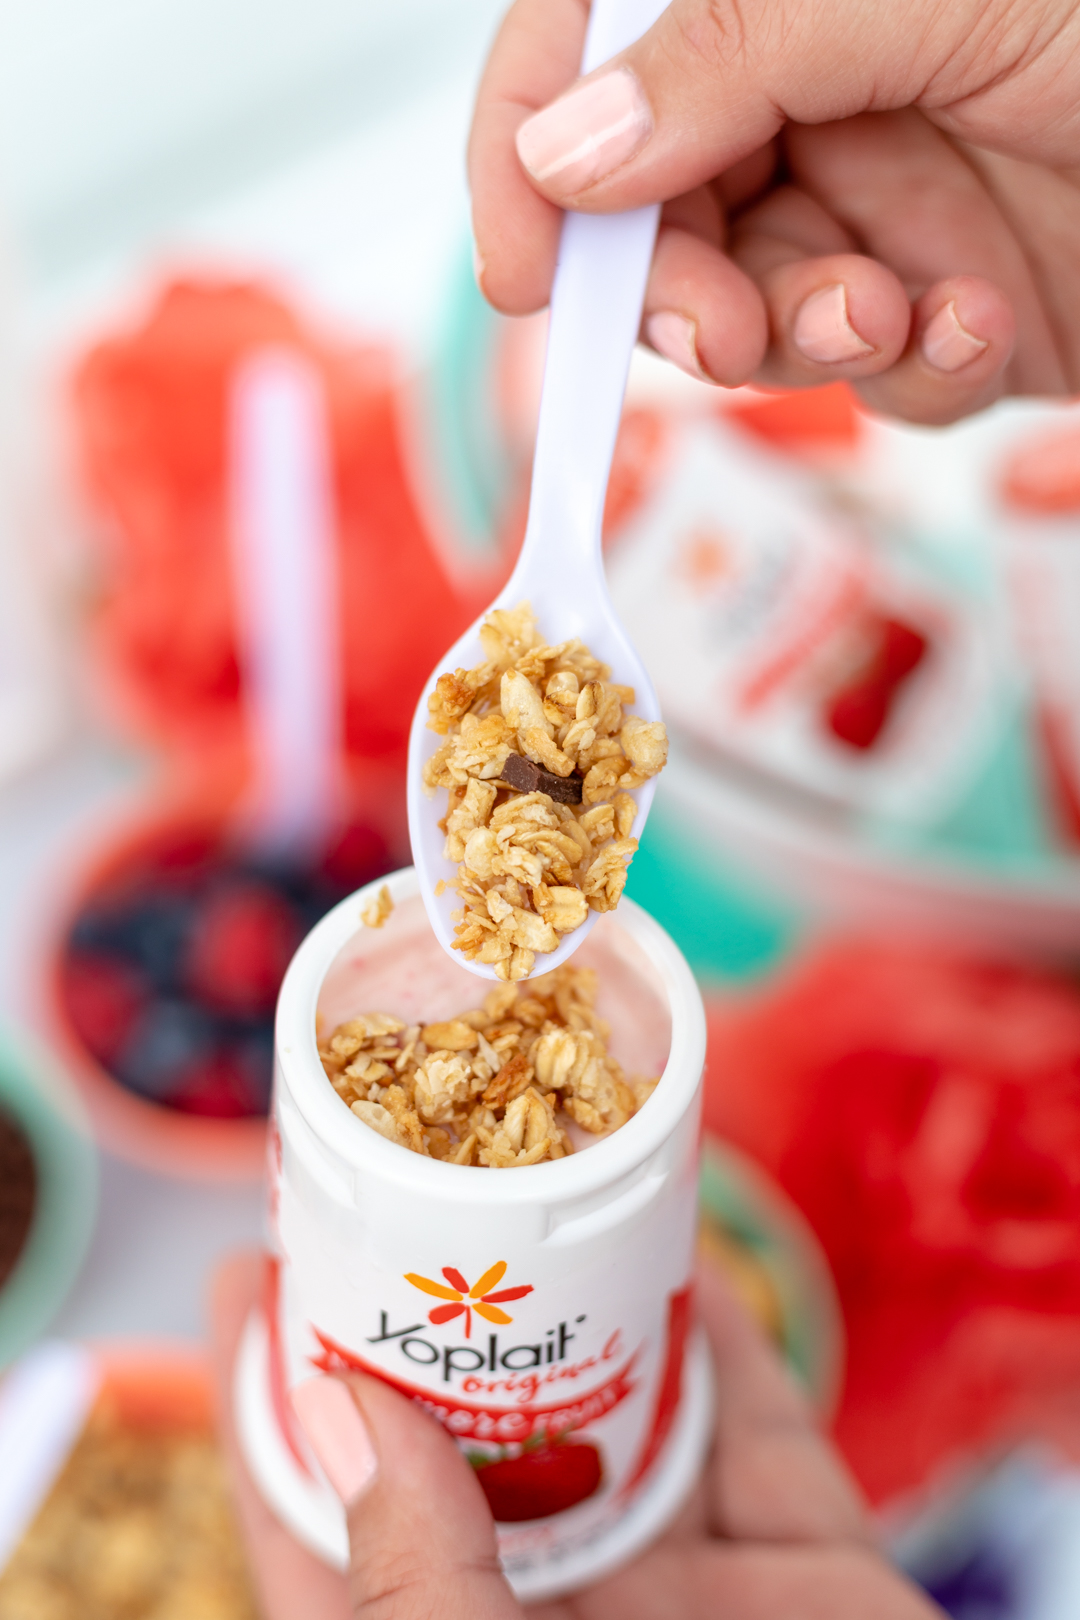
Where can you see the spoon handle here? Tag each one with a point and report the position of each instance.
(596, 301)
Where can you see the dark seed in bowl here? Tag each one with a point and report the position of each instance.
(18, 1194)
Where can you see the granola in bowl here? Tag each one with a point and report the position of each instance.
(540, 763)
(499, 1086)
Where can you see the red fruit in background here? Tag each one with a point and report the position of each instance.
(216, 1088)
(241, 944)
(540, 1483)
(151, 407)
(923, 1110)
(102, 997)
(356, 856)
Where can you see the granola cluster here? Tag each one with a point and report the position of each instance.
(377, 911)
(539, 763)
(139, 1526)
(493, 1086)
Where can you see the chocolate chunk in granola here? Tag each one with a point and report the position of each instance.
(528, 777)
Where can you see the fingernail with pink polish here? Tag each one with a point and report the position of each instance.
(822, 331)
(587, 133)
(675, 337)
(948, 346)
(337, 1434)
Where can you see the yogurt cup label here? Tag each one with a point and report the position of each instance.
(517, 1370)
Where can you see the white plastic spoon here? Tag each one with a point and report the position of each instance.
(596, 305)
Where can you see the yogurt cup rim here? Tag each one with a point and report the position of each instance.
(362, 1149)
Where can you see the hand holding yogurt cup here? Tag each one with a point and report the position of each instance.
(775, 1522)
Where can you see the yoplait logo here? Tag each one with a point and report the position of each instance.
(463, 1300)
(459, 1301)
(473, 1420)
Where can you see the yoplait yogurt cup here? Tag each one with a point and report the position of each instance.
(542, 1313)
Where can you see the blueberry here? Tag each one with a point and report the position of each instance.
(256, 1054)
(168, 1036)
(155, 935)
(148, 930)
(98, 928)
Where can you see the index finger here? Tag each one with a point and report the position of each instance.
(535, 56)
(772, 1476)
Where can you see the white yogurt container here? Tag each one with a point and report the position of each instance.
(571, 1365)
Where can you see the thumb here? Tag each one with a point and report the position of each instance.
(421, 1536)
(714, 80)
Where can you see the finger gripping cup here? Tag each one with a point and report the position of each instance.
(542, 1314)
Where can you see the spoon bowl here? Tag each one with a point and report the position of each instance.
(604, 635)
(596, 304)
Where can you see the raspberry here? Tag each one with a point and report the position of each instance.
(103, 998)
(241, 942)
(540, 1483)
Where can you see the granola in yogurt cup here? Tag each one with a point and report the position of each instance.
(499, 1085)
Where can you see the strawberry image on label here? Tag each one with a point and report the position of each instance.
(857, 712)
(540, 1481)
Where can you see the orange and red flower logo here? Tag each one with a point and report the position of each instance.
(463, 1300)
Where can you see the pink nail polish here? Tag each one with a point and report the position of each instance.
(337, 1434)
(947, 345)
(822, 331)
(675, 337)
(587, 133)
